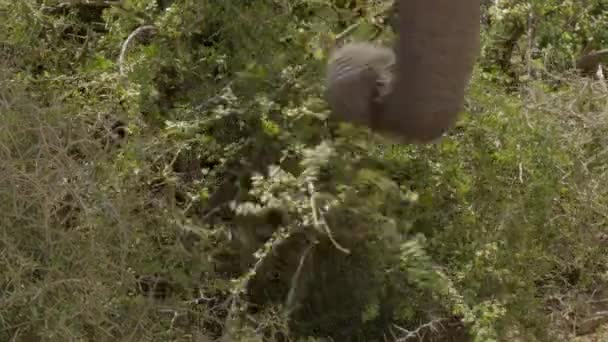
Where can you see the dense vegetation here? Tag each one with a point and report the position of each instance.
(185, 184)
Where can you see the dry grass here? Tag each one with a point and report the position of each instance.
(73, 237)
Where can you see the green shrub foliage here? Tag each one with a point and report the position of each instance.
(170, 173)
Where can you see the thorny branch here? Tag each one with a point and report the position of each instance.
(320, 222)
(420, 331)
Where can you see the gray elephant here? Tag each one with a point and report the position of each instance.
(414, 91)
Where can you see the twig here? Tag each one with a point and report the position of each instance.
(321, 222)
(127, 43)
(295, 280)
(176, 315)
(201, 298)
(347, 31)
(531, 34)
(600, 76)
(418, 331)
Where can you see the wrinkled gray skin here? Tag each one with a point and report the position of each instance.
(360, 76)
(414, 91)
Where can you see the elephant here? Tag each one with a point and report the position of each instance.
(415, 90)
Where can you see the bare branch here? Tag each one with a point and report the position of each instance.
(125, 45)
(418, 332)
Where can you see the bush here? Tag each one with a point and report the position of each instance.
(189, 186)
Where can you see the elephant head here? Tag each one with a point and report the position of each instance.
(414, 91)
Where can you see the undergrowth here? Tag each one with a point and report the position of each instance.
(198, 191)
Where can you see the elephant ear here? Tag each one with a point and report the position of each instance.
(352, 81)
(436, 51)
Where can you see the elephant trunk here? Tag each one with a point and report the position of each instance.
(415, 92)
(436, 51)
